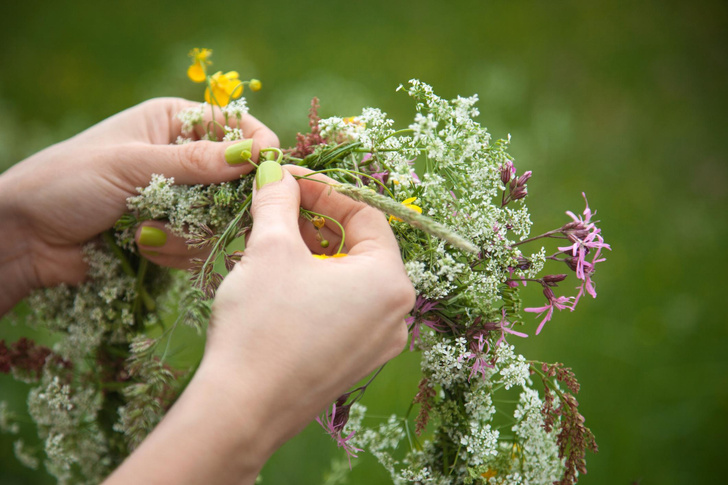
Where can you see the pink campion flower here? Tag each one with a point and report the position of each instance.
(559, 303)
(478, 352)
(479, 346)
(587, 285)
(334, 421)
(505, 327)
(586, 238)
(415, 320)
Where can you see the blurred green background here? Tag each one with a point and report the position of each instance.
(625, 100)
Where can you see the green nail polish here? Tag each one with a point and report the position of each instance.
(151, 236)
(268, 171)
(239, 152)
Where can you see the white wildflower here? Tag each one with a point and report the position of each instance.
(191, 117)
(236, 109)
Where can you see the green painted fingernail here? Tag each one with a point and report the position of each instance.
(239, 152)
(151, 236)
(268, 171)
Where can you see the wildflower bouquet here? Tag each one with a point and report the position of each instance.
(456, 203)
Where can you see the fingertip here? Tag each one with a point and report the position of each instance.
(275, 207)
(150, 237)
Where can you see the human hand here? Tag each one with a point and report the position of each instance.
(54, 202)
(289, 334)
(320, 324)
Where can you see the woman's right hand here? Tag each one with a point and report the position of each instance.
(289, 334)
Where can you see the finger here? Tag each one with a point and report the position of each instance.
(159, 245)
(365, 228)
(275, 211)
(157, 121)
(200, 162)
(154, 125)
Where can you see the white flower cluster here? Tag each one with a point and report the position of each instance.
(66, 404)
(442, 362)
(233, 134)
(341, 129)
(540, 461)
(191, 117)
(514, 370)
(478, 443)
(76, 449)
(460, 187)
(382, 441)
(236, 109)
(185, 206)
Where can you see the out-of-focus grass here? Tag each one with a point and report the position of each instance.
(623, 100)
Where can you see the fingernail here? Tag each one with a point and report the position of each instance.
(268, 171)
(151, 236)
(239, 152)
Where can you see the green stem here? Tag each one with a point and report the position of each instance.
(223, 240)
(277, 151)
(545, 234)
(341, 228)
(125, 266)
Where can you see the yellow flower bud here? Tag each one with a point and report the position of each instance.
(255, 85)
(318, 222)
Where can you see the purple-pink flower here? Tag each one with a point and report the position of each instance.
(560, 303)
(479, 346)
(416, 319)
(505, 327)
(479, 352)
(586, 239)
(333, 422)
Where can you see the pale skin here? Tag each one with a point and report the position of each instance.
(289, 333)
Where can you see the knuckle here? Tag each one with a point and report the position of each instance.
(155, 104)
(273, 238)
(400, 293)
(194, 157)
(398, 341)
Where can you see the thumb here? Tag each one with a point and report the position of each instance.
(275, 210)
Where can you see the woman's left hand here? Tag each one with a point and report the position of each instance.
(54, 202)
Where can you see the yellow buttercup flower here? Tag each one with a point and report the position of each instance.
(200, 59)
(323, 256)
(225, 88)
(408, 203)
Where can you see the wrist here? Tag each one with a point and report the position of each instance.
(241, 416)
(216, 432)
